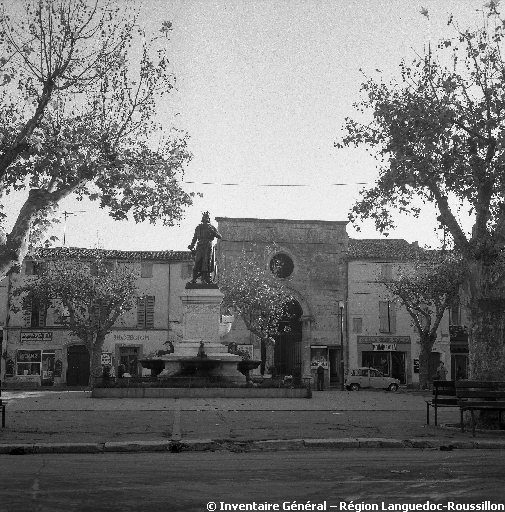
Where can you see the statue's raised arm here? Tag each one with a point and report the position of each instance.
(204, 235)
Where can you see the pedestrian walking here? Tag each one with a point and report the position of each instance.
(320, 377)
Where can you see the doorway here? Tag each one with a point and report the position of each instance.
(288, 343)
(129, 358)
(334, 357)
(78, 362)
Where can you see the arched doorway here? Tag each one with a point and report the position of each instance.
(288, 342)
(78, 361)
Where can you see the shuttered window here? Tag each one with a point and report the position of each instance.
(387, 272)
(35, 313)
(387, 317)
(145, 312)
(146, 269)
(34, 268)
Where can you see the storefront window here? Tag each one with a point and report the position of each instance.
(28, 362)
(35, 362)
(391, 364)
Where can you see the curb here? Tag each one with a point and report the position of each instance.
(203, 445)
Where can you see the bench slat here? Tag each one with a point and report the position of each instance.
(475, 404)
(464, 393)
(480, 396)
(479, 384)
(444, 401)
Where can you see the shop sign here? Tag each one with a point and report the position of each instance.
(29, 356)
(34, 337)
(319, 356)
(130, 337)
(416, 365)
(106, 358)
(380, 347)
(384, 339)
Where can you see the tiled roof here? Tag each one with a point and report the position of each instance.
(395, 249)
(74, 252)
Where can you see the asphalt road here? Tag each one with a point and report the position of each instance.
(190, 481)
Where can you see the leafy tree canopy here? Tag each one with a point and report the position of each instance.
(428, 289)
(89, 294)
(78, 116)
(438, 134)
(254, 292)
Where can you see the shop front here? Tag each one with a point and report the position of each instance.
(33, 358)
(391, 355)
(123, 351)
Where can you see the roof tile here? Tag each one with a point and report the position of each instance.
(75, 252)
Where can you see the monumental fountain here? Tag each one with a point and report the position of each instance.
(200, 353)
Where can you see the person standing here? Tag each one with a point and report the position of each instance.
(442, 371)
(320, 377)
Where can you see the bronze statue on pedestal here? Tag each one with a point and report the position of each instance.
(204, 266)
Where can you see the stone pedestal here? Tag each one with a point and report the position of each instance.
(201, 315)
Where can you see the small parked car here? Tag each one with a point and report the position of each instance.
(365, 377)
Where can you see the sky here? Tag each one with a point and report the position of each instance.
(263, 89)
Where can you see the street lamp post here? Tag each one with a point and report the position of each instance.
(341, 310)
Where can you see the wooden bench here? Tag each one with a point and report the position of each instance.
(2, 406)
(473, 395)
(444, 395)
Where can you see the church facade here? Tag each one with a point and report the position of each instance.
(312, 254)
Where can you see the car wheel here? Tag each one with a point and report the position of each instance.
(393, 387)
(354, 387)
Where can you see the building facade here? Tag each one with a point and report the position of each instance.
(342, 316)
(381, 331)
(39, 350)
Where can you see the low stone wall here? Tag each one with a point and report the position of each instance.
(199, 393)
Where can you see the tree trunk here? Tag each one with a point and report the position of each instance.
(486, 308)
(14, 246)
(486, 341)
(269, 355)
(424, 363)
(486, 337)
(96, 358)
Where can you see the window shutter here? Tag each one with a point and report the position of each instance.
(141, 312)
(392, 317)
(42, 314)
(28, 314)
(146, 269)
(455, 315)
(150, 312)
(383, 316)
(387, 272)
